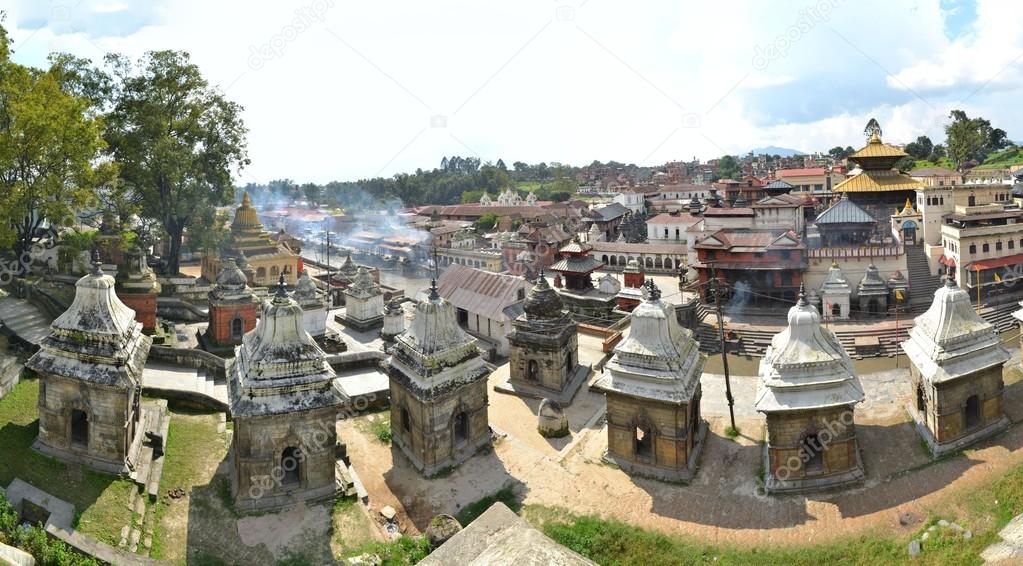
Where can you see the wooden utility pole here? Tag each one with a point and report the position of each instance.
(718, 289)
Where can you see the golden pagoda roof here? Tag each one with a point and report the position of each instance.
(907, 210)
(245, 216)
(878, 181)
(876, 148)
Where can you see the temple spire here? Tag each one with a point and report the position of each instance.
(282, 290)
(97, 265)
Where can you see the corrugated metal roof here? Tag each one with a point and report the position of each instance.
(845, 211)
(481, 292)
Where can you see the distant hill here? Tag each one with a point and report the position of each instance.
(1002, 159)
(774, 150)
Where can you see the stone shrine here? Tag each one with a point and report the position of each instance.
(438, 386)
(808, 390)
(835, 293)
(284, 403)
(364, 302)
(544, 348)
(314, 305)
(956, 367)
(138, 288)
(232, 309)
(652, 386)
(90, 369)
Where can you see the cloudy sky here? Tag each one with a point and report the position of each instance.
(346, 90)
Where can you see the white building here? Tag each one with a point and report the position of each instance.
(486, 303)
(313, 303)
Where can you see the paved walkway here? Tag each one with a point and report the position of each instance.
(24, 319)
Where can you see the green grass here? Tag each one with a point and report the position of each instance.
(353, 528)
(382, 430)
(1003, 158)
(405, 550)
(506, 495)
(528, 185)
(192, 450)
(732, 432)
(100, 500)
(941, 162)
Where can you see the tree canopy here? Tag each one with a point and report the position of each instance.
(177, 140)
(972, 138)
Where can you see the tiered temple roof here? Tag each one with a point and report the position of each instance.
(877, 161)
(805, 367)
(659, 359)
(97, 339)
(279, 368)
(951, 340)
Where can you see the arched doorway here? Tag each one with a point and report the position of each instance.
(909, 233)
(460, 426)
(79, 428)
(812, 453)
(291, 465)
(972, 412)
(644, 442)
(533, 371)
(237, 327)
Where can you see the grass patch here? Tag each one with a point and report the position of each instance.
(353, 529)
(941, 162)
(1003, 158)
(732, 432)
(401, 551)
(100, 500)
(382, 430)
(193, 450)
(506, 495)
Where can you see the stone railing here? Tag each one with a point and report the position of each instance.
(199, 359)
(859, 252)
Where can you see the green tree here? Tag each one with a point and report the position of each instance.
(471, 197)
(972, 138)
(49, 141)
(176, 139)
(486, 222)
(312, 193)
(728, 167)
(921, 148)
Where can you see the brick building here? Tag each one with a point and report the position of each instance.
(232, 308)
(137, 288)
(766, 263)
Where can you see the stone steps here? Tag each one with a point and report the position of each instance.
(183, 382)
(24, 320)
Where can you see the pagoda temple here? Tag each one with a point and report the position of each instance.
(284, 403)
(544, 348)
(956, 371)
(438, 389)
(879, 186)
(90, 372)
(575, 284)
(267, 258)
(808, 390)
(652, 386)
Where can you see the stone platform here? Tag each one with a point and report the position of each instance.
(564, 398)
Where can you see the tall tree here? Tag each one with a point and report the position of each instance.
(972, 138)
(177, 139)
(728, 167)
(49, 141)
(921, 148)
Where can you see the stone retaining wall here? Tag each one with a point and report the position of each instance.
(199, 359)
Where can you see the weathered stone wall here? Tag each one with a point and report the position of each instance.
(259, 469)
(836, 431)
(554, 363)
(948, 406)
(221, 317)
(190, 357)
(429, 438)
(106, 407)
(672, 428)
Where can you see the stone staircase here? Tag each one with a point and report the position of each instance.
(24, 320)
(185, 383)
(922, 284)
